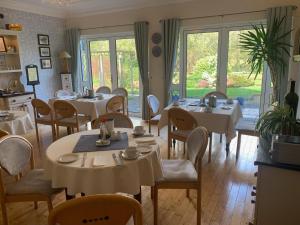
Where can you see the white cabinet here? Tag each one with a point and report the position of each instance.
(66, 82)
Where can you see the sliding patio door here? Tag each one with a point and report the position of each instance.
(213, 60)
(112, 62)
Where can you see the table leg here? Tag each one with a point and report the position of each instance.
(138, 196)
(227, 148)
(174, 140)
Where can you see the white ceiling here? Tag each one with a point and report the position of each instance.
(81, 7)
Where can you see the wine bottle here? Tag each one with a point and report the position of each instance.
(291, 99)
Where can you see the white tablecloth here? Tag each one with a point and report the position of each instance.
(90, 107)
(110, 178)
(20, 124)
(218, 121)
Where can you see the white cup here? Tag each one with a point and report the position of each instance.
(131, 151)
(139, 129)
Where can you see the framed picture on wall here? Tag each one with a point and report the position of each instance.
(44, 51)
(2, 44)
(46, 63)
(43, 39)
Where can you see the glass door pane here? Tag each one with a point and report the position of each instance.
(128, 72)
(201, 63)
(100, 63)
(239, 85)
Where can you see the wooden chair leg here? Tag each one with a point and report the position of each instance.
(35, 205)
(50, 206)
(37, 134)
(57, 132)
(187, 193)
(4, 214)
(183, 148)
(238, 145)
(53, 134)
(155, 204)
(149, 125)
(158, 132)
(152, 193)
(169, 147)
(199, 206)
(209, 147)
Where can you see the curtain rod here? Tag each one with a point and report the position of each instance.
(101, 27)
(219, 15)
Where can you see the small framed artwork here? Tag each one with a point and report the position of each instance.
(46, 63)
(44, 52)
(2, 44)
(43, 39)
(32, 75)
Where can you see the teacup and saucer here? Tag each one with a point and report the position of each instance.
(139, 131)
(131, 153)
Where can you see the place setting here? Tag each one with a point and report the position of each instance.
(6, 116)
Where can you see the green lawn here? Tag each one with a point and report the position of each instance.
(231, 92)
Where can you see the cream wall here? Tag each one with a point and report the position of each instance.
(184, 10)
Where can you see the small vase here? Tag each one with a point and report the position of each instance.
(291, 99)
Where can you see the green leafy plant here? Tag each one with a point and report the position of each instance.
(280, 120)
(266, 46)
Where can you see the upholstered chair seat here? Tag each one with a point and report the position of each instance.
(179, 171)
(33, 182)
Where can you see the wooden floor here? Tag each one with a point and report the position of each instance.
(226, 195)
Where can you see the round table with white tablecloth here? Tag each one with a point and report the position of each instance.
(18, 122)
(109, 177)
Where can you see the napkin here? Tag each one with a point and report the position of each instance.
(146, 141)
(99, 161)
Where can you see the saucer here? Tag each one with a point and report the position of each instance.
(102, 143)
(68, 158)
(125, 156)
(144, 149)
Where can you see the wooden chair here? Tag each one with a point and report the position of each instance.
(15, 155)
(66, 115)
(97, 210)
(219, 95)
(122, 92)
(103, 90)
(120, 120)
(184, 174)
(245, 127)
(183, 122)
(43, 115)
(3, 133)
(154, 115)
(115, 104)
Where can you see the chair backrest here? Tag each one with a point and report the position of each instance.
(153, 103)
(15, 154)
(120, 120)
(62, 93)
(97, 210)
(218, 94)
(196, 146)
(115, 104)
(64, 109)
(181, 119)
(41, 108)
(103, 90)
(120, 91)
(3, 133)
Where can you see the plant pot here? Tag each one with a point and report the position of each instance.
(265, 142)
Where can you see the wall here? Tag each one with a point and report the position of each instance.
(34, 24)
(184, 10)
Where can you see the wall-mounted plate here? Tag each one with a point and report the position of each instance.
(156, 38)
(156, 51)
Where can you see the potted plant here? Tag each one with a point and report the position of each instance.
(266, 46)
(280, 120)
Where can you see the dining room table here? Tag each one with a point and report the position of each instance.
(15, 122)
(103, 169)
(220, 119)
(90, 106)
